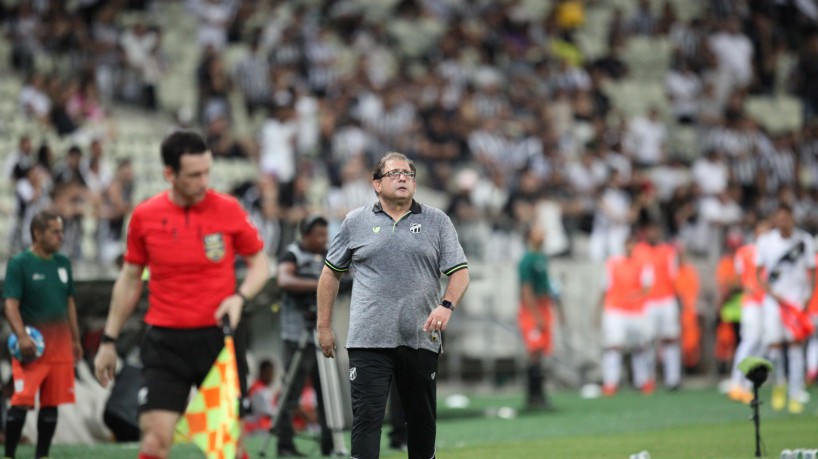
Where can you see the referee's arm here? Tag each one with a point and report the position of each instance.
(124, 298)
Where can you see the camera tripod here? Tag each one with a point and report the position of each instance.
(330, 393)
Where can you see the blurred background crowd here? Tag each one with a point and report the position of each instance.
(591, 116)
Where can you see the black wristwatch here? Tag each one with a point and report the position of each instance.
(107, 339)
(243, 298)
(447, 304)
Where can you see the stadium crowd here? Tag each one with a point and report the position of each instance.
(506, 115)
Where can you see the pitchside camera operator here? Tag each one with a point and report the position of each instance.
(297, 277)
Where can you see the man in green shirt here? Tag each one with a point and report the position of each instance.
(535, 313)
(39, 292)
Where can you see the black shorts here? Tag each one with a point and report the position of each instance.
(174, 360)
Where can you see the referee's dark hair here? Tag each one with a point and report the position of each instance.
(310, 222)
(40, 222)
(181, 143)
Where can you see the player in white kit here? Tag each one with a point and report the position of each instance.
(787, 254)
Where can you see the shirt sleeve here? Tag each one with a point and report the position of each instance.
(247, 239)
(452, 257)
(135, 252)
(13, 284)
(339, 255)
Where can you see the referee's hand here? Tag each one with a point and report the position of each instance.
(326, 339)
(105, 364)
(231, 307)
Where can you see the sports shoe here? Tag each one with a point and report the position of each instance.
(649, 387)
(740, 394)
(608, 391)
(779, 397)
(290, 452)
(795, 407)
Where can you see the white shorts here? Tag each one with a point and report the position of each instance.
(773, 329)
(663, 317)
(624, 330)
(752, 321)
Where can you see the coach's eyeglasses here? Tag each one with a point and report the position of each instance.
(395, 174)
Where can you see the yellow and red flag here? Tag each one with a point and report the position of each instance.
(211, 421)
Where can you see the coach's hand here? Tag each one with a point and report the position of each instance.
(232, 306)
(326, 339)
(438, 319)
(105, 363)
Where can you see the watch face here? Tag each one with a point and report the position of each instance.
(446, 304)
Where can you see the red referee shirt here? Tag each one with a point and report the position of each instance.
(190, 253)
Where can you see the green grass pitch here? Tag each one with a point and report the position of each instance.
(684, 425)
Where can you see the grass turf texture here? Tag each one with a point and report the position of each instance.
(687, 424)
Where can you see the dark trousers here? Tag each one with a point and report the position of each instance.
(307, 368)
(371, 374)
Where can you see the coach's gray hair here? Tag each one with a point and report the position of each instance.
(377, 171)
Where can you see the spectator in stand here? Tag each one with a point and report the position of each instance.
(733, 54)
(683, 86)
(72, 186)
(613, 218)
(252, 76)
(710, 173)
(96, 171)
(117, 203)
(34, 99)
(643, 21)
(214, 87)
(20, 160)
(804, 75)
(214, 18)
(617, 30)
(221, 142)
(25, 30)
(646, 139)
(106, 52)
(141, 47)
(768, 43)
(667, 18)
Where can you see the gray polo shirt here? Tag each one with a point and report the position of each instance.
(396, 266)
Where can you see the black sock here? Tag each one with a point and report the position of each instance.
(14, 429)
(535, 383)
(46, 425)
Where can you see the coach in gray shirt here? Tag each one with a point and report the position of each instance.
(396, 250)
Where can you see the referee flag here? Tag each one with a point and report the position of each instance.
(211, 421)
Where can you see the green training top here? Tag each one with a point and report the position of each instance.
(41, 285)
(533, 269)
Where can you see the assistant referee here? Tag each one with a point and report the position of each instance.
(189, 237)
(396, 249)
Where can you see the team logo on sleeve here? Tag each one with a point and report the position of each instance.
(214, 247)
(414, 228)
(63, 274)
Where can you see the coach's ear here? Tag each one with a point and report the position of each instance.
(755, 369)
